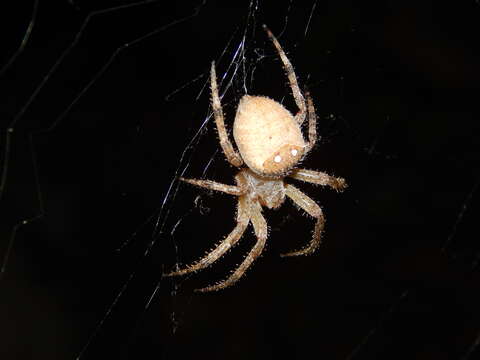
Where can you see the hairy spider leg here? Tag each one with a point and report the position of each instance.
(261, 232)
(292, 78)
(231, 154)
(312, 123)
(319, 178)
(213, 185)
(307, 204)
(224, 245)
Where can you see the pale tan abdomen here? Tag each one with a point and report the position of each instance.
(267, 135)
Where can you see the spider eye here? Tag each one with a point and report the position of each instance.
(277, 159)
(294, 152)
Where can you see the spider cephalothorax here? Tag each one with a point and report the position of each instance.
(270, 143)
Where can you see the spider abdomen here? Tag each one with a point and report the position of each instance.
(268, 137)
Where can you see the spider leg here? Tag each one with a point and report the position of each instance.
(320, 178)
(307, 204)
(312, 123)
(292, 78)
(213, 185)
(224, 246)
(232, 156)
(261, 231)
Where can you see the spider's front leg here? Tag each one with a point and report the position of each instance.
(307, 204)
(320, 178)
(261, 232)
(224, 246)
(213, 185)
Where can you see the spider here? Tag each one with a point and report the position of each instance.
(270, 144)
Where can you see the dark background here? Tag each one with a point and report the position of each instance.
(109, 106)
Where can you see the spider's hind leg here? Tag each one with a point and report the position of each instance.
(292, 78)
(312, 123)
(231, 154)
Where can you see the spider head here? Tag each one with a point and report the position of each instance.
(282, 160)
(268, 136)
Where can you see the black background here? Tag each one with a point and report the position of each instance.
(92, 158)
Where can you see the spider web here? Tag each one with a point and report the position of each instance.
(105, 105)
